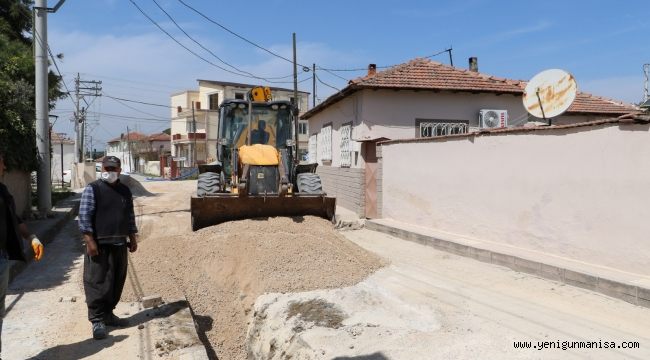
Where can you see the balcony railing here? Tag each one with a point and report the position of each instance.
(188, 136)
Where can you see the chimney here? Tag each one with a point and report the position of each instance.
(372, 69)
(473, 64)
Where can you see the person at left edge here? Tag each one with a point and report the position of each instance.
(12, 232)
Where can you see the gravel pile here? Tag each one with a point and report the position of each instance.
(223, 269)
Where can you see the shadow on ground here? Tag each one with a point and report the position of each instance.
(204, 324)
(55, 267)
(161, 311)
(79, 350)
(373, 356)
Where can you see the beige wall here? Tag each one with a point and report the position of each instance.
(580, 193)
(19, 185)
(152, 168)
(392, 114)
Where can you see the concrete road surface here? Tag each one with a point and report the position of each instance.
(489, 312)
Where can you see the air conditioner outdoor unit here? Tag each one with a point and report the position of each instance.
(493, 119)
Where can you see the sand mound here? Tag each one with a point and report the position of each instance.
(223, 269)
(134, 185)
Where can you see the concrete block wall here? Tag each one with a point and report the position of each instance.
(347, 184)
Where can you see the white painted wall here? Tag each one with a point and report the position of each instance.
(392, 114)
(68, 161)
(580, 193)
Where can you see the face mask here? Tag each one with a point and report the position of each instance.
(110, 176)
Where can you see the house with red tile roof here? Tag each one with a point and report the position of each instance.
(420, 98)
(132, 147)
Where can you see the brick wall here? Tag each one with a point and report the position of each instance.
(347, 184)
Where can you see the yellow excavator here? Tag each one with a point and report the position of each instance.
(257, 172)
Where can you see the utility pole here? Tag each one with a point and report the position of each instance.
(451, 59)
(194, 134)
(128, 146)
(646, 72)
(43, 182)
(313, 79)
(77, 117)
(296, 111)
(84, 88)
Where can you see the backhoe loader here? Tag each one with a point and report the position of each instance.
(257, 173)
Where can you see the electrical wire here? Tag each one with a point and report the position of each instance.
(131, 107)
(239, 36)
(193, 52)
(248, 74)
(326, 84)
(138, 102)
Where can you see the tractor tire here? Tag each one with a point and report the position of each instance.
(309, 183)
(209, 183)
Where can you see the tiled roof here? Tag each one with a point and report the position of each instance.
(159, 137)
(425, 74)
(587, 103)
(132, 136)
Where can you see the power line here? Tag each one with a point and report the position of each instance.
(332, 73)
(239, 36)
(131, 107)
(326, 84)
(128, 117)
(138, 102)
(193, 52)
(212, 53)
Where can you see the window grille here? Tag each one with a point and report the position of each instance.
(313, 149)
(346, 134)
(442, 128)
(326, 143)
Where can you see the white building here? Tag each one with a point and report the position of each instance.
(421, 98)
(63, 158)
(206, 117)
(124, 148)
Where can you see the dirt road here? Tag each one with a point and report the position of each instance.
(223, 269)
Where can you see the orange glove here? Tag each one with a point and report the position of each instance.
(37, 246)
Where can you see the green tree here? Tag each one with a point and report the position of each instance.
(17, 114)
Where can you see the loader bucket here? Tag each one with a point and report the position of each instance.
(212, 210)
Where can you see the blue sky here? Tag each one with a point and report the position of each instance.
(602, 43)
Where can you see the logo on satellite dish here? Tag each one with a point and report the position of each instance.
(550, 93)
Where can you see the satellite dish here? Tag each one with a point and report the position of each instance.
(550, 93)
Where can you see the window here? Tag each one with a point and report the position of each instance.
(432, 128)
(213, 101)
(303, 128)
(346, 134)
(239, 96)
(312, 149)
(325, 141)
(292, 99)
(188, 127)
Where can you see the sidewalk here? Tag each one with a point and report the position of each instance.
(46, 315)
(630, 287)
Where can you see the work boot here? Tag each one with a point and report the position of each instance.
(112, 320)
(99, 330)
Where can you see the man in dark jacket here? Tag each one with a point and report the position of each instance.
(107, 222)
(12, 232)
